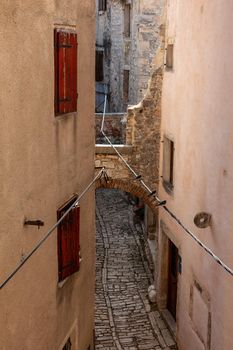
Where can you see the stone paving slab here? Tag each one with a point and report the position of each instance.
(124, 317)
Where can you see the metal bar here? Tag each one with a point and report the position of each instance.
(34, 222)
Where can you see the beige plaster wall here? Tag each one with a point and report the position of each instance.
(197, 114)
(44, 160)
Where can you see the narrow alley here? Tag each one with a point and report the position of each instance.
(124, 317)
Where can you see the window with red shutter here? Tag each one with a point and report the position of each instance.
(68, 241)
(65, 69)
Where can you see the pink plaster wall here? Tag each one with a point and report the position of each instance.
(197, 114)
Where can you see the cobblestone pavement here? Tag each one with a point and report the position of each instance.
(124, 319)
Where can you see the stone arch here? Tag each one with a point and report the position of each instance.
(132, 187)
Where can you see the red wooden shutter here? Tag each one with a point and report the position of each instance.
(65, 59)
(68, 242)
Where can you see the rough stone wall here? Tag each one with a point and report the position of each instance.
(146, 15)
(142, 128)
(103, 43)
(134, 53)
(106, 157)
(109, 36)
(143, 131)
(117, 57)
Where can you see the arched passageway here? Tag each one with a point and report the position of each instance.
(130, 186)
(125, 319)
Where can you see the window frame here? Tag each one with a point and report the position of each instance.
(168, 164)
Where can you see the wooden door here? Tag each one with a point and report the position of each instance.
(173, 259)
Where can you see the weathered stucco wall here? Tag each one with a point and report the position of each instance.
(197, 108)
(44, 160)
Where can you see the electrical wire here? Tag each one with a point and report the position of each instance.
(39, 244)
(162, 203)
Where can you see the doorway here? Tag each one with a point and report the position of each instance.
(173, 263)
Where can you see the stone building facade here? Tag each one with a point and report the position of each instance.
(46, 159)
(127, 40)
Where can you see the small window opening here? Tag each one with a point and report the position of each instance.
(168, 164)
(102, 5)
(125, 88)
(99, 66)
(169, 56)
